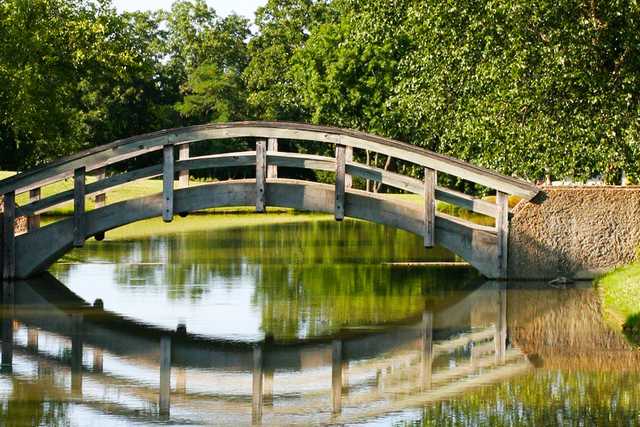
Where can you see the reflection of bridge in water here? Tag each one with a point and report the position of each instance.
(83, 352)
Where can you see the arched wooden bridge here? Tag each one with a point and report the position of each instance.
(483, 247)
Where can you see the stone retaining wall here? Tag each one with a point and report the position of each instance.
(575, 232)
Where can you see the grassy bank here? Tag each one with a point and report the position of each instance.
(620, 291)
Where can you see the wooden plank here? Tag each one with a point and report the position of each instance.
(131, 147)
(33, 221)
(183, 175)
(336, 376)
(92, 188)
(100, 199)
(9, 236)
(261, 175)
(426, 355)
(502, 231)
(340, 181)
(244, 158)
(430, 180)
(272, 147)
(167, 183)
(165, 376)
(256, 389)
(79, 226)
(348, 179)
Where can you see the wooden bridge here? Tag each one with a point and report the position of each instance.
(484, 247)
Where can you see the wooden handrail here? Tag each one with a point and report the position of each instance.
(248, 158)
(127, 148)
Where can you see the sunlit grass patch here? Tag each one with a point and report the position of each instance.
(620, 290)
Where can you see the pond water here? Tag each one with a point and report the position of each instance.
(302, 320)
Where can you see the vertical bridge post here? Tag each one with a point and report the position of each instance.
(183, 177)
(168, 170)
(502, 233)
(8, 246)
(340, 181)
(261, 174)
(100, 199)
(272, 170)
(79, 229)
(33, 222)
(348, 179)
(430, 180)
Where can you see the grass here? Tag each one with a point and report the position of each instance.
(620, 291)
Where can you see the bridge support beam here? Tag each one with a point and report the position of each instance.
(272, 170)
(261, 175)
(8, 248)
(168, 170)
(79, 228)
(430, 182)
(33, 222)
(340, 181)
(183, 175)
(502, 232)
(348, 179)
(100, 199)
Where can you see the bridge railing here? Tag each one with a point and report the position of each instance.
(266, 159)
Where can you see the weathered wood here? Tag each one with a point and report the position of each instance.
(340, 181)
(244, 158)
(167, 183)
(261, 175)
(272, 147)
(502, 231)
(183, 174)
(257, 391)
(165, 376)
(430, 182)
(474, 243)
(8, 236)
(336, 376)
(33, 221)
(348, 179)
(79, 229)
(426, 355)
(131, 147)
(100, 199)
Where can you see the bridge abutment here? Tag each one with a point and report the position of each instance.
(574, 232)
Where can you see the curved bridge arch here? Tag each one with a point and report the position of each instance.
(483, 247)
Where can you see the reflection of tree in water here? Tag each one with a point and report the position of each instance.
(302, 300)
(544, 398)
(32, 404)
(310, 278)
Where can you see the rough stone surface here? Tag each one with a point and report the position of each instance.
(576, 232)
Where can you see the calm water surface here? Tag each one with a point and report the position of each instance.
(310, 322)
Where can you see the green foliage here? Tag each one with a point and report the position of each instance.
(525, 88)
